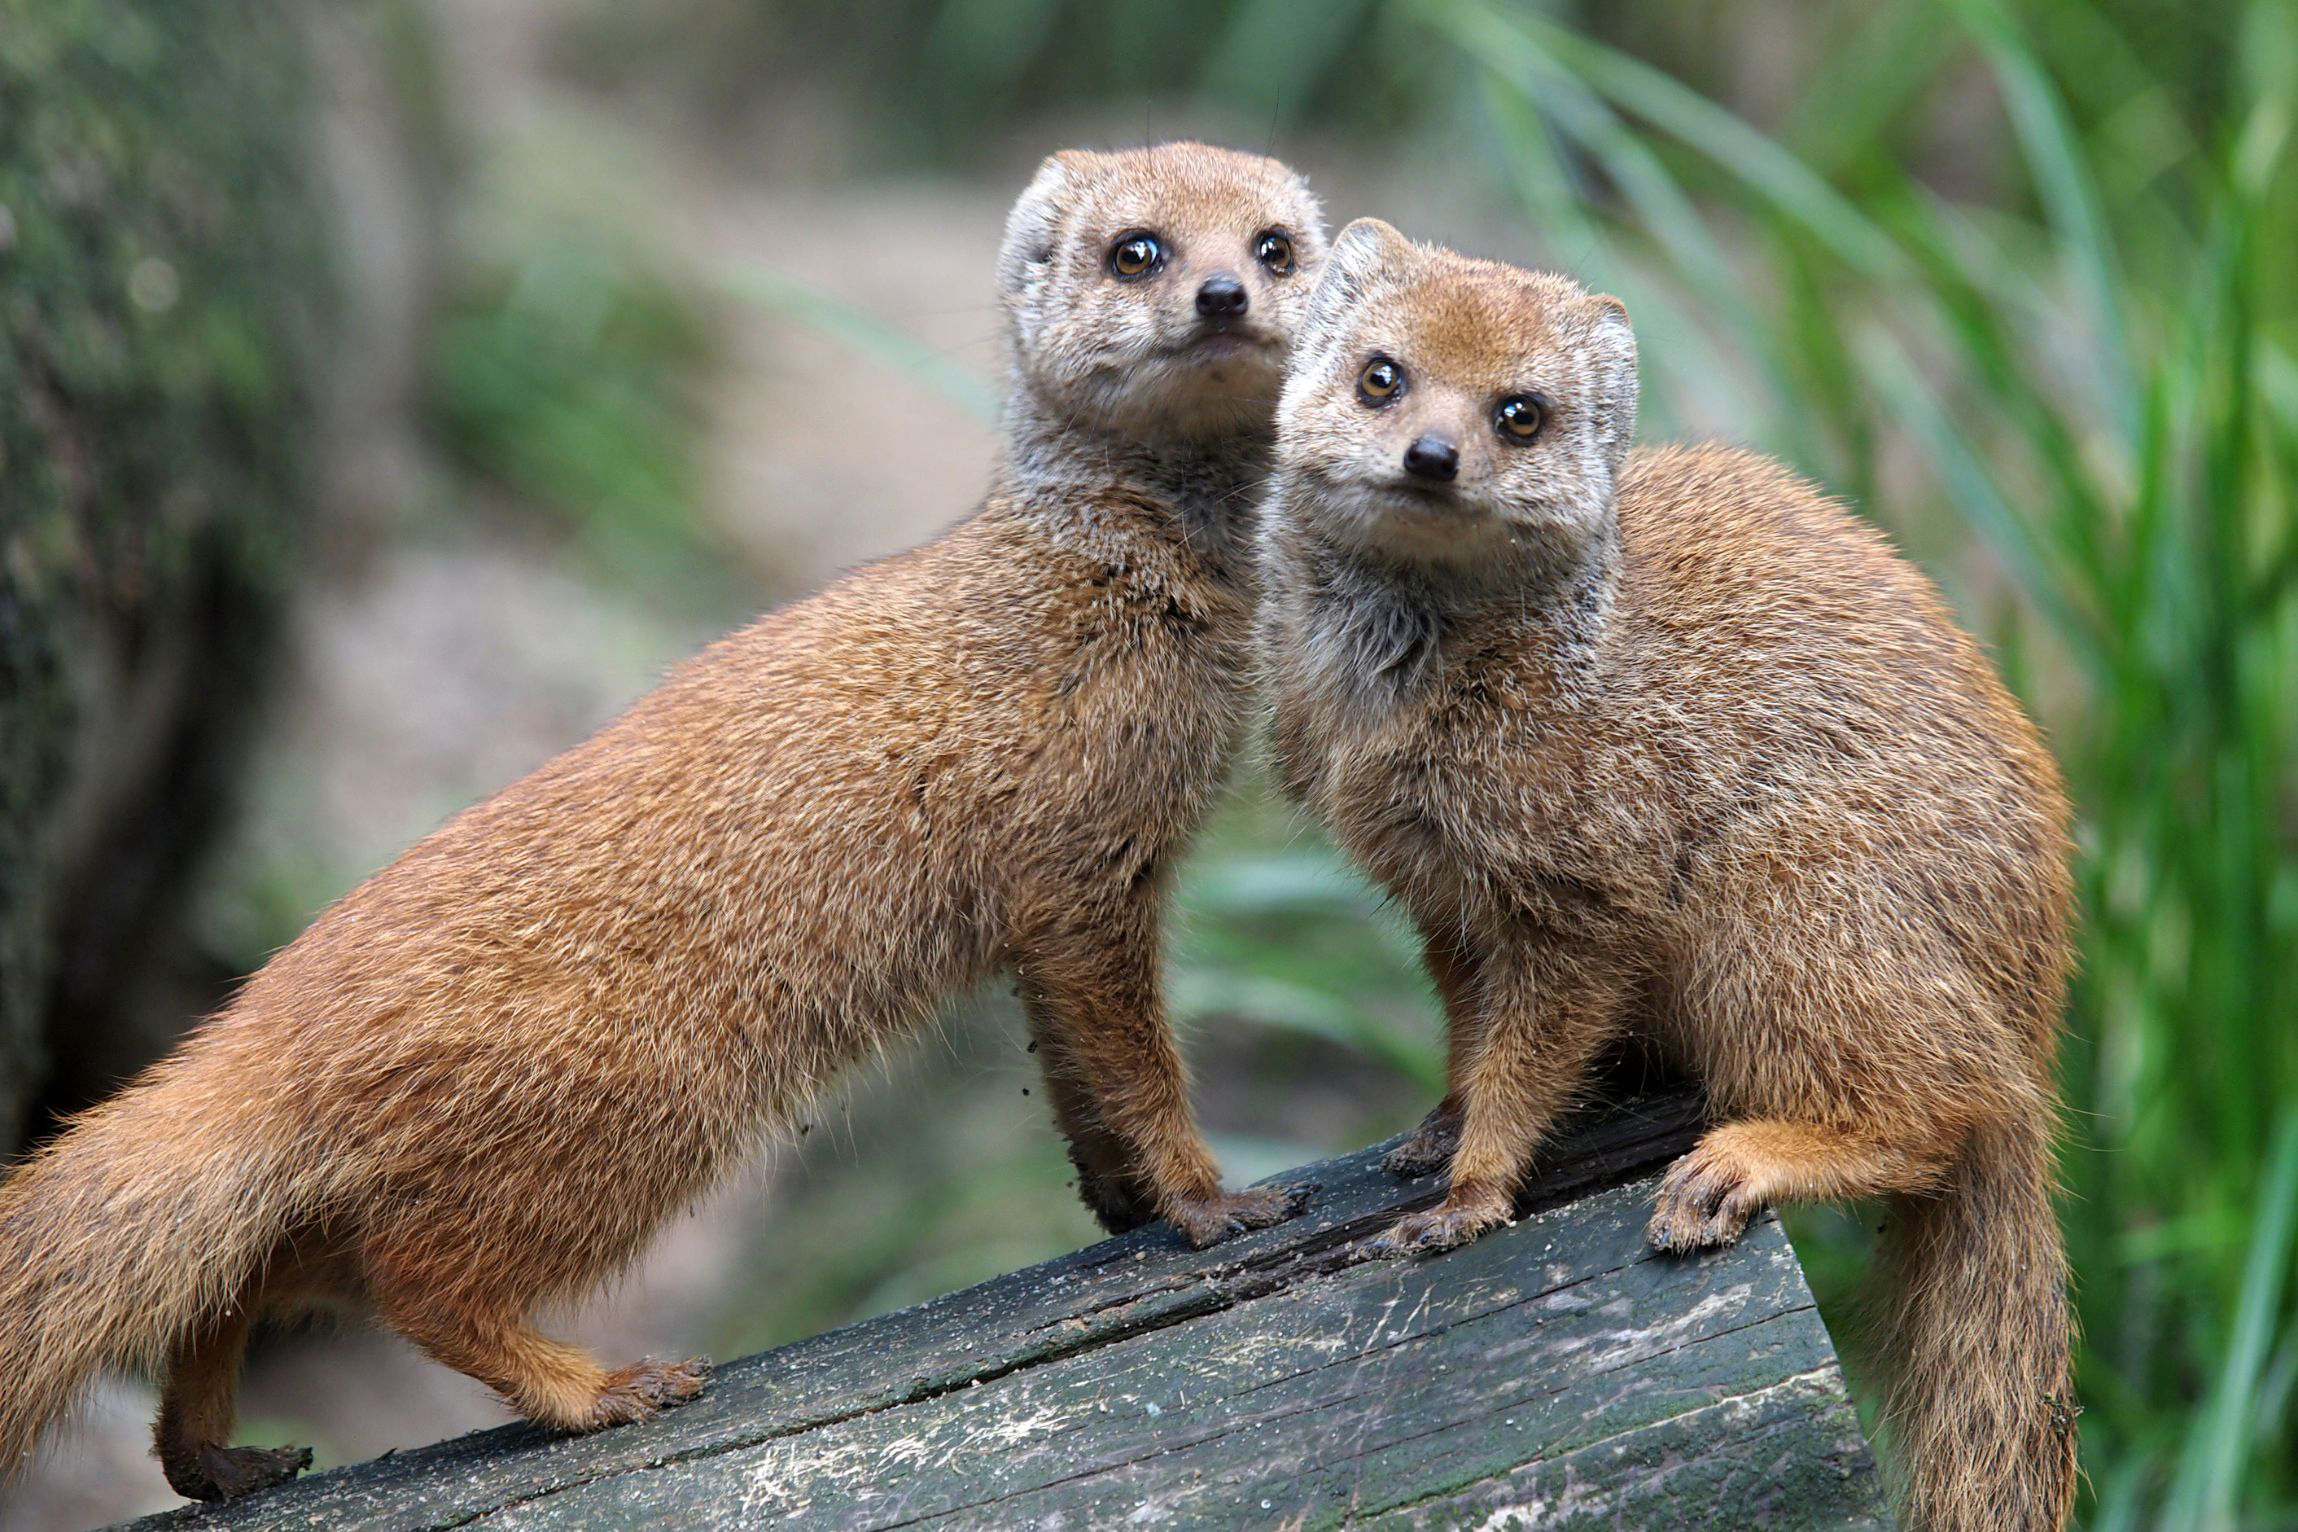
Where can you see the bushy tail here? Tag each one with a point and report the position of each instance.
(1975, 1329)
(147, 1215)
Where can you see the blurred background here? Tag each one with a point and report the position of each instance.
(389, 392)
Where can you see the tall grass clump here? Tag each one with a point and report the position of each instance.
(2082, 411)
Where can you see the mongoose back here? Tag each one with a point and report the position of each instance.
(480, 1081)
(1665, 743)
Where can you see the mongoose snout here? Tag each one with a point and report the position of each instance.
(1432, 457)
(1223, 297)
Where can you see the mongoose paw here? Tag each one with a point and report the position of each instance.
(226, 1473)
(1430, 1147)
(1444, 1227)
(1703, 1201)
(646, 1389)
(1225, 1215)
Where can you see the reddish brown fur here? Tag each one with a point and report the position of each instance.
(1666, 742)
(480, 1082)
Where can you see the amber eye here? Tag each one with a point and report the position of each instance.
(1274, 249)
(1519, 416)
(1136, 255)
(1380, 383)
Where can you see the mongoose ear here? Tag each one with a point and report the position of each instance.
(1360, 257)
(1364, 251)
(1611, 347)
(1033, 228)
(1610, 336)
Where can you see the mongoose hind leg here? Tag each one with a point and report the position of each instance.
(1737, 1170)
(548, 1381)
(198, 1409)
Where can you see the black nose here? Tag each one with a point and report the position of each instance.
(1222, 298)
(1432, 457)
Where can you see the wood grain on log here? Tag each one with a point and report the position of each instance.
(1557, 1373)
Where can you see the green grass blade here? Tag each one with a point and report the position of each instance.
(1845, 110)
(2203, 1495)
(2056, 160)
(1727, 140)
(1976, 496)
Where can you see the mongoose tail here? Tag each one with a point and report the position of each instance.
(1974, 1324)
(149, 1215)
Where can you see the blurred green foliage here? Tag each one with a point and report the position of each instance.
(558, 370)
(1276, 930)
(935, 81)
(566, 365)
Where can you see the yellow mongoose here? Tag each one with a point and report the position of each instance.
(481, 1080)
(1666, 742)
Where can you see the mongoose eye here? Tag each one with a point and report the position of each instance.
(1136, 255)
(1274, 249)
(1381, 382)
(1519, 417)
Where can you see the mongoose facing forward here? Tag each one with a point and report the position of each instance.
(480, 1081)
(1665, 742)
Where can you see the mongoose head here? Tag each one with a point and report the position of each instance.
(1154, 292)
(1448, 410)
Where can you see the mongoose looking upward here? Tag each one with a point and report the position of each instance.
(480, 1081)
(1666, 743)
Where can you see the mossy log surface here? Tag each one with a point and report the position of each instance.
(1556, 1373)
(161, 285)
